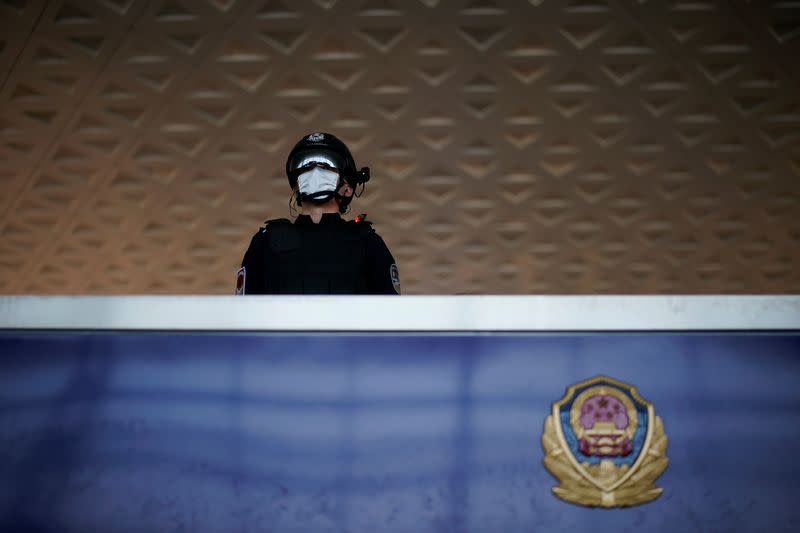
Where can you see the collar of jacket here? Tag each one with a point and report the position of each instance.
(327, 218)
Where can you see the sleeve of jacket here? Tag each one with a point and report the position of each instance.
(254, 266)
(383, 277)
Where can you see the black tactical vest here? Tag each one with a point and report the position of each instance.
(316, 258)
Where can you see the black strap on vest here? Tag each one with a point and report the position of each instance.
(282, 235)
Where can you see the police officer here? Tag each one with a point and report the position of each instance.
(320, 253)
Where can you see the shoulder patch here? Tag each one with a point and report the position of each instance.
(394, 275)
(241, 277)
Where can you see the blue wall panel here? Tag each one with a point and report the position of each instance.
(278, 432)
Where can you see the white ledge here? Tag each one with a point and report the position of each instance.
(405, 313)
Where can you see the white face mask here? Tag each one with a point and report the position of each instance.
(318, 184)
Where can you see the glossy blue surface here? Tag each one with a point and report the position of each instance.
(269, 432)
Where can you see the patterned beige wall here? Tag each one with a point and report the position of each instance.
(517, 146)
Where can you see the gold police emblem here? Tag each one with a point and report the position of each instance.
(605, 445)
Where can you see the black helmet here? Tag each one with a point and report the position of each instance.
(327, 151)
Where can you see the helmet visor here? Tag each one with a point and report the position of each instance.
(316, 157)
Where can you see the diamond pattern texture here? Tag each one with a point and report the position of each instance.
(517, 146)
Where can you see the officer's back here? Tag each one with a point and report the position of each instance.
(320, 253)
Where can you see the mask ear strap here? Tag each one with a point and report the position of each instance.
(293, 204)
(359, 190)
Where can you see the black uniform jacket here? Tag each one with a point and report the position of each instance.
(332, 257)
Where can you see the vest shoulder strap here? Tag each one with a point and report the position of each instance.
(360, 228)
(282, 234)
